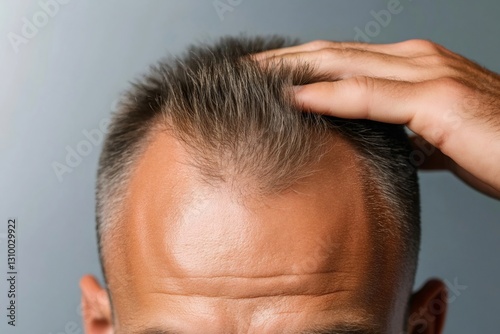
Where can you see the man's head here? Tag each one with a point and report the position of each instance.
(224, 208)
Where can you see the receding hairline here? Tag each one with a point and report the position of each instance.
(372, 203)
(151, 97)
(171, 117)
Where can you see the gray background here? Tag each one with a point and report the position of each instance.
(65, 80)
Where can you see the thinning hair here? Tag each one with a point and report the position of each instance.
(240, 124)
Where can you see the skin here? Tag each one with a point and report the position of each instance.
(195, 258)
(446, 99)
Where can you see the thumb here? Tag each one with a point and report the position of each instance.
(434, 159)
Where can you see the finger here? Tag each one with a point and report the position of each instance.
(404, 49)
(341, 64)
(474, 182)
(434, 160)
(363, 97)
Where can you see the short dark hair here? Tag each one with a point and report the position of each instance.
(239, 122)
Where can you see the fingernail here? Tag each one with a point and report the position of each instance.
(297, 89)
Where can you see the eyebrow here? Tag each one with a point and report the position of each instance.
(345, 328)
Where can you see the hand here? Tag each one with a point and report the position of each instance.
(453, 103)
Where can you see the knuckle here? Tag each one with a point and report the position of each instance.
(439, 137)
(424, 45)
(318, 44)
(363, 84)
(451, 86)
(328, 53)
(363, 87)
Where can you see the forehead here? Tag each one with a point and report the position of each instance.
(180, 237)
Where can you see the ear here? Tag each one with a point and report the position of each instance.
(96, 308)
(428, 308)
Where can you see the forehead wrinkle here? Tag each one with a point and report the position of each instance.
(252, 296)
(309, 284)
(259, 276)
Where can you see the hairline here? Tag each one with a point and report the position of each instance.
(116, 188)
